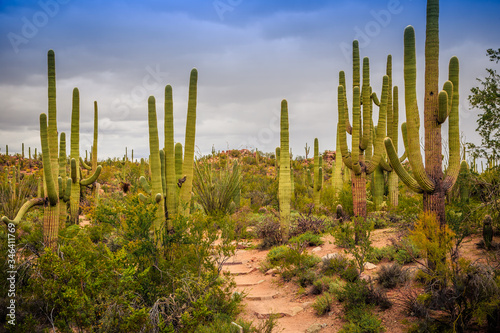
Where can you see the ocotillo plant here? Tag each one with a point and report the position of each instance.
(187, 165)
(438, 106)
(285, 186)
(361, 129)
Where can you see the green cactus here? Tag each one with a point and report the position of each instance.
(285, 186)
(22, 150)
(94, 143)
(487, 232)
(76, 179)
(178, 161)
(362, 137)
(438, 106)
(318, 175)
(156, 188)
(337, 180)
(63, 181)
(187, 165)
(6, 149)
(171, 182)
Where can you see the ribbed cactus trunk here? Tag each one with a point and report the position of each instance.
(156, 176)
(51, 211)
(74, 203)
(378, 187)
(285, 186)
(50, 156)
(63, 212)
(171, 183)
(94, 143)
(317, 179)
(338, 182)
(187, 165)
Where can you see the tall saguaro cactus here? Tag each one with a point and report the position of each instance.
(171, 183)
(438, 106)
(187, 165)
(285, 185)
(362, 137)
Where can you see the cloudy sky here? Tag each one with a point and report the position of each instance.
(250, 54)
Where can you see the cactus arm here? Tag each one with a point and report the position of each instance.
(443, 107)
(398, 168)
(187, 166)
(341, 132)
(178, 160)
(453, 128)
(144, 185)
(356, 131)
(348, 127)
(47, 167)
(67, 191)
(143, 198)
(23, 210)
(162, 168)
(74, 171)
(84, 165)
(375, 99)
(366, 133)
(385, 165)
(92, 178)
(412, 115)
(381, 128)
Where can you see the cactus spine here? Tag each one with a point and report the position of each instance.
(438, 106)
(361, 129)
(187, 166)
(285, 187)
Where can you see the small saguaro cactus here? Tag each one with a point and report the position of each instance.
(318, 175)
(285, 186)
(487, 231)
(438, 106)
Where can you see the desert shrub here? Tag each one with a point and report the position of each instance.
(379, 254)
(390, 276)
(277, 254)
(269, 231)
(362, 321)
(323, 304)
(345, 199)
(307, 223)
(341, 266)
(309, 239)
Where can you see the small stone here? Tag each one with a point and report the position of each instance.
(369, 266)
(316, 249)
(314, 328)
(295, 310)
(272, 271)
(330, 256)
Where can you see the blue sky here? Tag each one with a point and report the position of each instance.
(250, 55)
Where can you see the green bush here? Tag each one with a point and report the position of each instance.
(309, 239)
(323, 304)
(390, 276)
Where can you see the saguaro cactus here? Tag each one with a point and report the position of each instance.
(285, 186)
(318, 175)
(76, 181)
(438, 106)
(171, 182)
(187, 165)
(361, 129)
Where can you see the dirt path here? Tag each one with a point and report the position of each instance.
(267, 293)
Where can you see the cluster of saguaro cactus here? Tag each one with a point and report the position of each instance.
(361, 129)
(76, 177)
(438, 106)
(169, 170)
(285, 182)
